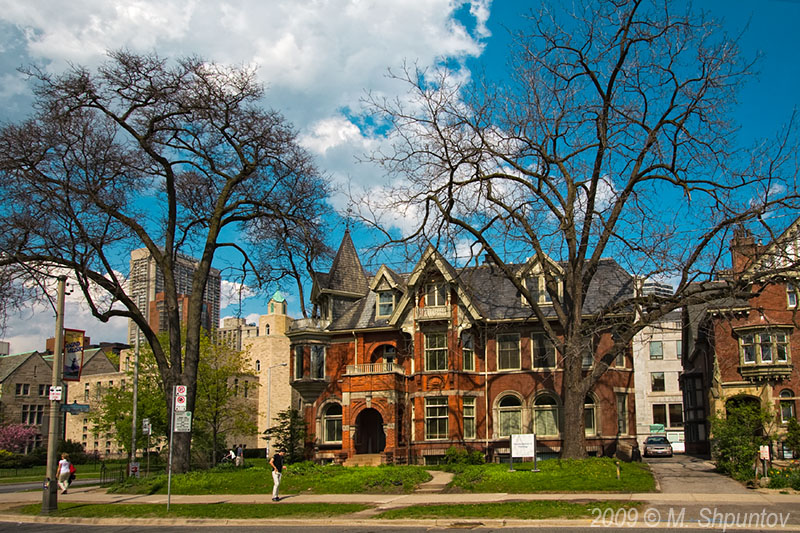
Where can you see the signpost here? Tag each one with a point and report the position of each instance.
(523, 445)
(147, 429)
(181, 423)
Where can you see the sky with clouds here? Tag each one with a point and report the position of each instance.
(318, 59)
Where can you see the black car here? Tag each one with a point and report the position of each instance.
(657, 445)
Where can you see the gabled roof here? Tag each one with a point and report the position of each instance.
(346, 274)
(395, 280)
(778, 251)
(9, 363)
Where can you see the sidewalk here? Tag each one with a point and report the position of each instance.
(426, 495)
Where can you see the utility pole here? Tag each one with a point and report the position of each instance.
(135, 402)
(50, 493)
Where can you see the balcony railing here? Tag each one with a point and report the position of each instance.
(766, 371)
(438, 312)
(374, 368)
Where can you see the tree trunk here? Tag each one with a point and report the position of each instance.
(573, 444)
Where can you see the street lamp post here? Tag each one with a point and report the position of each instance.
(269, 397)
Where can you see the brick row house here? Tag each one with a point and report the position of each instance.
(400, 367)
(741, 349)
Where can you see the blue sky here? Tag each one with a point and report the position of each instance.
(318, 58)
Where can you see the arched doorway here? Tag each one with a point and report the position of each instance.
(370, 437)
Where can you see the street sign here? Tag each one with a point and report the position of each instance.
(146, 428)
(183, 422)
(55, 394)
(75, 408)
(134, 469)
(180, 397)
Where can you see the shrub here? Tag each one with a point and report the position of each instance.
(737, 437)
(793, 436)
(781, 478)
(77, 455)
(463, 456)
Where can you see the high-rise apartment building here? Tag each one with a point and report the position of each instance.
(146, 288)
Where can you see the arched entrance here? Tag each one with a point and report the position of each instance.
(370, 437)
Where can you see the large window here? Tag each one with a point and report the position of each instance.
(436, 418)
(469, 418)
(468, 351)
(660, 414)
(510, 416)
(656, 350)
(791, 295)
(385, 303)
(317, 361)
(764, 347)
(544, 353)
(32, 414)
(435, 351)
(786, 405)
(676, 415)
(508, 351)
(435, 294)
(657, 382)
(546, 416)
(589, 418)
(332, 423)
(622, 413)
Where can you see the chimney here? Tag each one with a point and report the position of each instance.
(743, 250)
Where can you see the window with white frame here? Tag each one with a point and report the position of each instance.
(436, 418)
(435, 351)
(544, 352)
(589, 418)
(469, 417)
(764, 347)
(468, 351)
(332, 423)
(791, 295)
(508, 351)
(537, 286)
(385, 303)
(509, 416)
(435, 294)
(546, 416)
(622, 413)
(787, 406)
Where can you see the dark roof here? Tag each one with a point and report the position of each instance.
(346, 274)
(9, 363)
(495, 297)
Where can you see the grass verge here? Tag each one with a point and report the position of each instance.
(556, 475)
(220, 511)
(533, 510)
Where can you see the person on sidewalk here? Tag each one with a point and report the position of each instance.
(239, 456)
(64, 472)
(277, 471)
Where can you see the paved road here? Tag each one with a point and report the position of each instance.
(682, 474)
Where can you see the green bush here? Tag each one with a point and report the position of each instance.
(77, 454)
(463, 456)
(737, 437)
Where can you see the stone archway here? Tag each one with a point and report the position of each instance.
(370, 437)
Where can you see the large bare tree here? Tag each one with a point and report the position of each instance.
(179, 157)
(612, 136)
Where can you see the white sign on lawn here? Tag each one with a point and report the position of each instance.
(523, 445)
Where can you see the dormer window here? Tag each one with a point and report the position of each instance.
(537, 286)
(385, 303)
(435, 294)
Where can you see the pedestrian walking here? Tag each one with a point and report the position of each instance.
(239, 456)
(277, 472)
(64, 471)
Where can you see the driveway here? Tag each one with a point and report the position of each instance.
(688, 474)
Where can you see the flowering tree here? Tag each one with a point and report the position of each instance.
(14, 437)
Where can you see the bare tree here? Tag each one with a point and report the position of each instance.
(612, 137)
(178, 157)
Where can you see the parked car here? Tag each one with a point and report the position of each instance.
(657, 445)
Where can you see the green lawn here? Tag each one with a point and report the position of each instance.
(556, 475)
(302, 477)
(535, 510)
(220, 511)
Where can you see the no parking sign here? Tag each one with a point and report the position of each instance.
(180, 397)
